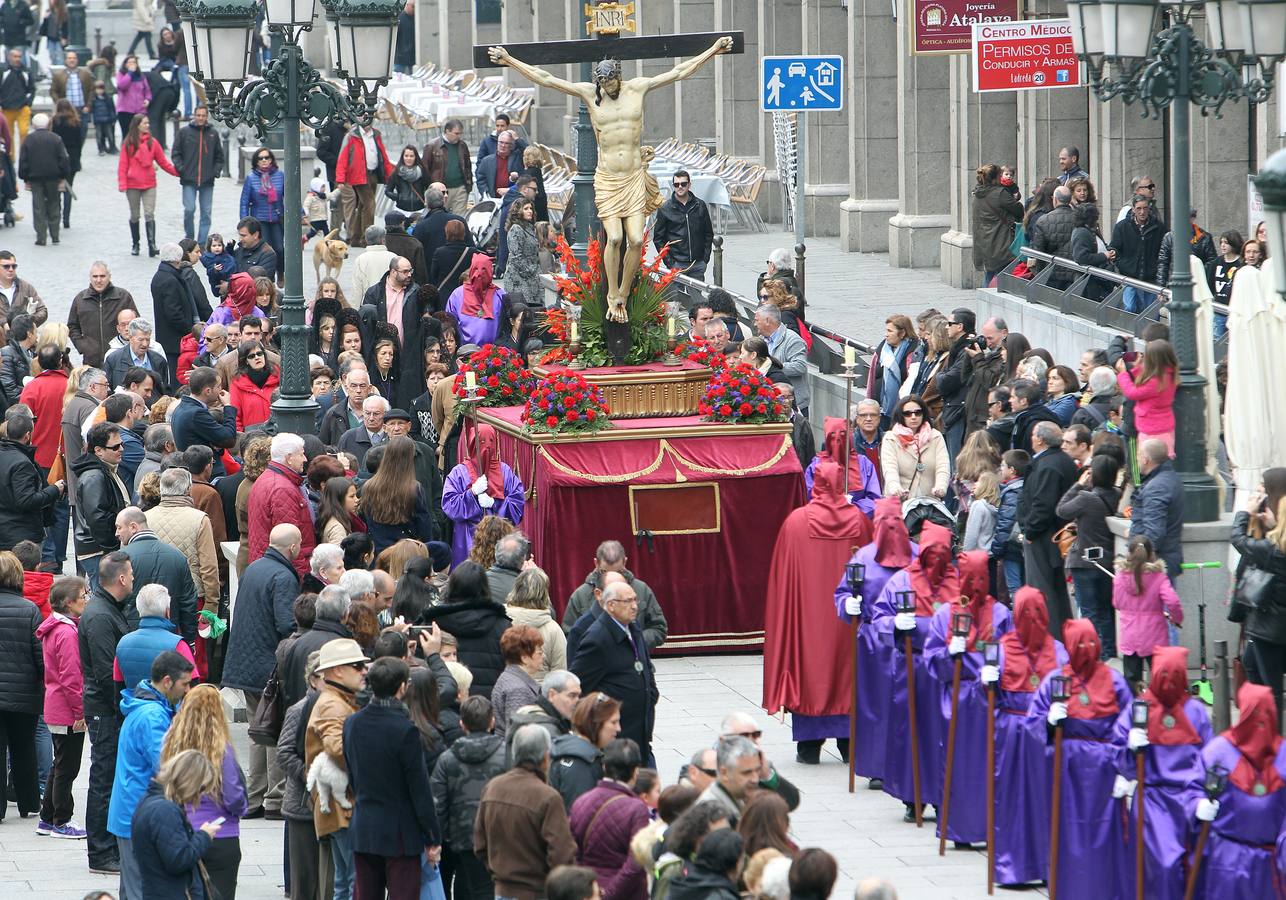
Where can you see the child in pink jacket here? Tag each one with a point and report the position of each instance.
(1151, 385)
(64, 708)
(1145, 598)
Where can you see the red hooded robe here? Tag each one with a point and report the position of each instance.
(808, 657)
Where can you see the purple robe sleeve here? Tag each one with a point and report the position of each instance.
(515, 501)
(864, 498)
(234, 802)
(458, 502)
(885, 606)
(941, 663)
(809, 474)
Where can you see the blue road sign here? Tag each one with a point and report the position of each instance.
(801, 83)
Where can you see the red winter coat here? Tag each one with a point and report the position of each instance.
(351, 167)
(44, 394)
(254, 404)
(36, 587)
(137, 170)
(275, 498)
(188, 351)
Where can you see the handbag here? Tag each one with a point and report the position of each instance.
(1250, 593)
(1064, 538)
(58, 470)
(265, 725)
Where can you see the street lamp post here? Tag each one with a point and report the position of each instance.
(291, 93)
(1134, 54)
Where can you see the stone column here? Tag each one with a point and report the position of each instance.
(825, 31)
(545, 123)
(1127, 146)
(427, 31)
(694, 97)
(983, 130)
(1220, 162)
(924, 201)
(737, 81)
(871, 107)
(457, 33)
(779, 34)
(660, 119)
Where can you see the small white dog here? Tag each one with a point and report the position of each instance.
(329, 781)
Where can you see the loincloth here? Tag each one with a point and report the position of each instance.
(622, 196)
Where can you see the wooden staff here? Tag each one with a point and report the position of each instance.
(960, 622)
(991, 657)
(1216, 779)
(1059, 691)
(906, 603)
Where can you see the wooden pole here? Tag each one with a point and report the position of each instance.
(915, 734)
(1191, 887)
(852, 707)
(991, 790)
(1138, 829)
(945, 818)
(1053, 816)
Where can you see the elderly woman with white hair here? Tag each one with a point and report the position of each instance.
(44, 167)
(325, 567)
(277, 497)
(1102, 389)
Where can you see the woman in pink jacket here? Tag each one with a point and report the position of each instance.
(64, 709)
(1143, 595)
(136, 177)
(1151, 384)
(133, 93)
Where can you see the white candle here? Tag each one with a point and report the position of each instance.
(470, 380)
(574, 333)
(669, 326)
(850, 355)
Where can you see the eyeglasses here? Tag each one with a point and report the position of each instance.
(113, 446)
(912, 412)
(262, 158)
(8, 265)
(679, 184)
(752, 735)
(359, 666)
(711, 773)
(633, 601)
(1149, 187)
(258, 354)
(403, 271)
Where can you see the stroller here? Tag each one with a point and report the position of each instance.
(918, 510)
(484, 225)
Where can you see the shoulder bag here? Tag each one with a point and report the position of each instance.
(1250, 594)
(265, 726)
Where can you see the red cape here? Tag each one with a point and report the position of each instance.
(808, 657)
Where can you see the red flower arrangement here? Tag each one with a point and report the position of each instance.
(741, 395)
(698, 350)
(502, 377)
(565, 402)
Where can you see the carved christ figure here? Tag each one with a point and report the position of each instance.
(624, 192)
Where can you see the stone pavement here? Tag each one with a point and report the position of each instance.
(864, 830)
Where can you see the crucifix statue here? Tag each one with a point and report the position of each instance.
(624, 191)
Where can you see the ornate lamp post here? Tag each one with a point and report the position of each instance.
(290, 93)
(1147, 52)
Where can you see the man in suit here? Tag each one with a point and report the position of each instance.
(580, 627)
(138, 352)
(1051, 474)
(613, 658)
(370, 433)
(192, 422)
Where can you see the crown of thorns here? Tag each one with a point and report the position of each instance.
(607, 70)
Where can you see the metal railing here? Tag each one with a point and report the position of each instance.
(1091, 293)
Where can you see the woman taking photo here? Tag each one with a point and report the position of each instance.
(252, 386)
(409, 181)
(200, 725)
(166, 850)
(136, 178)
(1062, 391)
(522, 270)
(889, 364)
(393, 502)
(914, 455)
(576, 759)
(1259, 535)
(263, 195)
(524, 652)
(337, 511)
(1151, 384)
(1088, 503)
(66, 125)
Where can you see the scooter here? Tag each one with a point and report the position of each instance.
(1202, 687)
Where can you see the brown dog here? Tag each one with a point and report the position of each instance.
(329, 253)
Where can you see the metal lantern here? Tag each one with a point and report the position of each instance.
(961, 622)
(221, 32)
(1060, 688)
(855, 575)
(290, 13)
(991, 653)
(1087, 27)
(1271, 183)
(187, 24)
(1216, 780)
(1263, 24)
(1139, 714)
(331, 12)
(1227, 35)
(365, 39)
(1127, 27)
(905, 601)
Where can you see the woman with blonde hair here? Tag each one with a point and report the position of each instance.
(394, 559)
(201, 725)
(980, 526)
(889, 364)
(937, 356)
(167, 851)
(776, 292)
(255, 456)
(1265, 626)
(528, 604)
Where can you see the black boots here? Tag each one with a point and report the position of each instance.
(151, 238)
(133, 230)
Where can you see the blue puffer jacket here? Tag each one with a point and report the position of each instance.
(138, 754)
(139, 649)
(1006, 516)
(166, 849)
(254, 199)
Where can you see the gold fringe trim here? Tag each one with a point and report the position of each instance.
(678, 458)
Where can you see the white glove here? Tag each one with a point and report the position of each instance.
(989, 674)
(1122, 787)
(480, 485)
(1057, 713)
(1137, 740)
(853, 605)
(904, 621)
(486, 501)
(1207, 810)
(957, 646)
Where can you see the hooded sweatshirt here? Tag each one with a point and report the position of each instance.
(148, 715)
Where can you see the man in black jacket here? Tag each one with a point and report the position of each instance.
(400, 277)
(331, 605)
(175, 308)
(252, 250)
(43, 168)
(683, 222)
(101, 627)
(17, 87)
(198, 156)
(16, 356)
(100, 496)
(26, 501)
(1051, 474)
(953, 383)
(1052, 233)
(1026, 401)
(1158, 505)
(138, 352)
(1137, 242)
(399, 241)
(431, 231)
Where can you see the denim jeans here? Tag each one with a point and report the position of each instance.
(55, 545)
(90, 567)
(185, 85)
(341, 854)
(1094, 597)
(104, 732)
(191, 195)
(1221, 326)
(1013, 574)
(44, 752)
(1134, 300)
